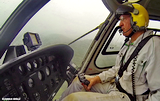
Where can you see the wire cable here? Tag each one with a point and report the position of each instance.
(133, 78)
(98, 27)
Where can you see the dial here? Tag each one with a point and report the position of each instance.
(41, 75)
(35, 64)
(30, 82)
(29, 66)
(21, 70)
(40, 61)
(48, 72)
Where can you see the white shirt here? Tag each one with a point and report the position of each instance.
(147, 67)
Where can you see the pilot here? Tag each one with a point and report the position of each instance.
(140, 80)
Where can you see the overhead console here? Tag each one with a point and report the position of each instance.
(36, 76)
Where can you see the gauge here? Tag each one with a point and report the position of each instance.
(41, 75)
(35, 64)
(29, 66)
(21, 70)
(40, 61)
(48, 72)
(30, 82)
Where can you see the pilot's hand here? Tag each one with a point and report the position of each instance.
(92, 81)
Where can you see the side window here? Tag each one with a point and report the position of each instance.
(108, 54)
(154, 25)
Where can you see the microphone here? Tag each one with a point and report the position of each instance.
(132, 26)
(120, 30)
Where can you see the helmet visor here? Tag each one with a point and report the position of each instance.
(124, 10)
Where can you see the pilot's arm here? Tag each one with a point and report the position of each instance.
(103, 77)
(107, 76)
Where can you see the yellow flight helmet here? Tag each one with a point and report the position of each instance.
(139, 15)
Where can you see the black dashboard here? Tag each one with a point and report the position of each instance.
(36, 76)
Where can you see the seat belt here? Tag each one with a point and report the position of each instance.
(135, 52)
(123, 68)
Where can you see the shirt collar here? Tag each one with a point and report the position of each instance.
(142, 36)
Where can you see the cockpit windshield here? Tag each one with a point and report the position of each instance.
(60, 22)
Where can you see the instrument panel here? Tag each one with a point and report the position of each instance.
(37, 76)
